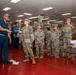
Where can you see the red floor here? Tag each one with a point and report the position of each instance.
(46, 66)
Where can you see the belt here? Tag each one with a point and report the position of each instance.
(3, 35)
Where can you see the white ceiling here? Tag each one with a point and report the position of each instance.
(35, 7)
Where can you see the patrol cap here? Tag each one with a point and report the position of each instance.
(55, 25)
(68, 18)
(35, 22)
(38, 24)
(27, 20)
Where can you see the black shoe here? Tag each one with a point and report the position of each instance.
(8, 62)
(1, 61)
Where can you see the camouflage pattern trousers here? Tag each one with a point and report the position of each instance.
(66, 44)
(61, 47)
(28, 50)
(67, 49)
(39, 47)
(55, 48)
(49, 46)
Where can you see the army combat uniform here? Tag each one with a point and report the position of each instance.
(27, 40)
(48, 41)
(61, 42)
(67, 37)
(55, 42)
(39, 42)
(45, 28)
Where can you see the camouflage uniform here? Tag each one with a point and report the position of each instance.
(35, 26)
(48, 42)
(27, 40)
(67, 36)
(61, 42)
(55, 42)
(45, 28)
(39, 42)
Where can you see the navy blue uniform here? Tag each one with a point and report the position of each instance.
(16, 38)
(4, 41)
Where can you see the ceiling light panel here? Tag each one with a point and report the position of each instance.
(15, 1)
(33, 17)
(45, 19)
(27, 14)
(6, 8)
(49, 8)
(20, 15)
(74, 17)
(66, 14)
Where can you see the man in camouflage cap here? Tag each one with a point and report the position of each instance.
(67, 36)
(39, 41)
(55, 40)
(27, 20)
(35, 25)
(47, 25)
(45, 28)
(27, 40)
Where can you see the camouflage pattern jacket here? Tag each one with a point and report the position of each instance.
(55, 34)
(39, 35)
(67, 31)
(27, 35)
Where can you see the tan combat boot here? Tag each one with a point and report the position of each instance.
(37, 56)
(48, 53)
(41, 56)
(68, 55)
(26, 60)
(64, 54)
(33, 61)
(56, 56)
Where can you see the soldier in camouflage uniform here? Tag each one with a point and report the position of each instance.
(39, 41)
(47, 25)
(55, 41)
(67, 37)
(35, 25)
(45, 28)
(61, 41)
(27, 40)
(48, 41)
